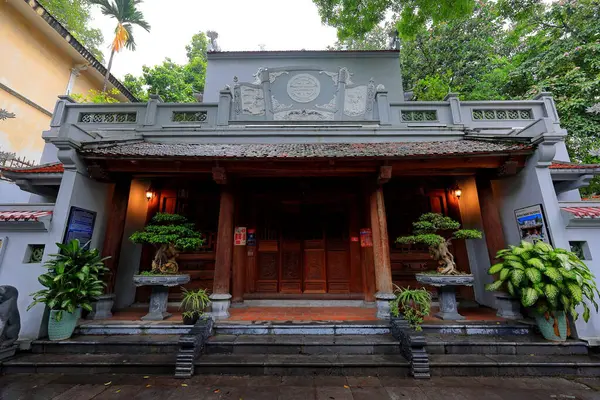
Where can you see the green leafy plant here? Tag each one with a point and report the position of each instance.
(73, 280)
(545, 279)
(168, 233)
(414, 304)
(194, 302)
(428, 230)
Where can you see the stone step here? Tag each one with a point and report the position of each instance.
(163, 364)
(513, 365)
(109, 344)
(478, 328)
(129, 328)
(302, 364)
(302, 344)
(501, 344)
(292, 328)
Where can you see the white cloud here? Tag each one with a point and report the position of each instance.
(241, 24)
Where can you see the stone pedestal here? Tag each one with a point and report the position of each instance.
(160, 293)
(383, 304)
(7, 352)
(508, 307)
(220, 303)
(102, 308)
(446, 285)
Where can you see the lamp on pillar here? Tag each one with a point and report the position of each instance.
(457, 191)
(149, 194)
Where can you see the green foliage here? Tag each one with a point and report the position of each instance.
(169, 229)
(125, 13)
(427, 227)
(172, 81)
(554, 279)
(413, 304)
(75, 16)
(194, 302)
(97, 96)
(73, 280)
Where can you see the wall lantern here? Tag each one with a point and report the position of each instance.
(149, 194)
(457, 192)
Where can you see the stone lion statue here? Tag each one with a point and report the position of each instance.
(10, 320)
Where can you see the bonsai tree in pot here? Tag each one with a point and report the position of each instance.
(193, 303)
(549, 282)
(428, 230)
(73, 281)
(168, 233)
(411, 304)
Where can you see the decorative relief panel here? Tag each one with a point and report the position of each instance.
(253, 100)
(277, 106)
(335, 76)
(355, 101)
(108, 118)
(291, 265)
(304, 115)
(303, 88)
(331, 106)
(267, 266)
(488, 114)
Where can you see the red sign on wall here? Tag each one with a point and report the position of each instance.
(239, 236)
(366, 237)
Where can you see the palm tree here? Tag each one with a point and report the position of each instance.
(127, 15)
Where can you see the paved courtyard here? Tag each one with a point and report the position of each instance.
(98, 387)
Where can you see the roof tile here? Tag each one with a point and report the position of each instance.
(583, 212)
(20, 216)
(52, 168)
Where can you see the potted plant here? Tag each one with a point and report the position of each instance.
(549, 282)
(437, 232)
(411, 304)
(168, 233)
(73, 281)
(193, 303)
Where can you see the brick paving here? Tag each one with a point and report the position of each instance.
(212, 387)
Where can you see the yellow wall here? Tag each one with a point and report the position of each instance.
(36, 68)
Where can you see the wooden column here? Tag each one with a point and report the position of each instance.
(381, 247)
(223, 257)
(239, 258)
(114, 230)
(492, 225)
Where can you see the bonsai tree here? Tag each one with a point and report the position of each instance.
(74, 279)
(548, 281)
(429, 230)
(168, 233)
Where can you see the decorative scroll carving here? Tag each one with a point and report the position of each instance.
(370, 95)
(277, 106)
(275, 75)
(314, 264)
(303, 88)
(355, 101)
(331, 106)
(258, 75)
(304, 115)
(332, 75)
(380, 88)
(335, 76)
(267, 266)
(252, 100)
(272, 75)
(291, 265)
(338, 266)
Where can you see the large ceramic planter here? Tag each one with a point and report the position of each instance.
(63, 329)
(446, 285)
(160, 293)
(555, 327)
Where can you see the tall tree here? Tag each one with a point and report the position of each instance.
(75, 16)
(127, 15)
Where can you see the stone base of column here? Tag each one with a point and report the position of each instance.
(102, 308)
(448, 305)
(158, 304)
(383, 304)
(508, 307)
(220, 303)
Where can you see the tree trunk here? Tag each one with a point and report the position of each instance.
(110, 61)
(445, 258)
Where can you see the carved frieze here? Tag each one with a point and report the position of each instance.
(252, 100)
(275, 75)
(355, 101)
(277, 106)
(303, 115)
(335, 76)
(303, 88)
(331, 106)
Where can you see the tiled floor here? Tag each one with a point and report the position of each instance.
(308, 314)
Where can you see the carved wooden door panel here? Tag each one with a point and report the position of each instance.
(338, 267)
(267, 266)
(315, 278)
(291, 266)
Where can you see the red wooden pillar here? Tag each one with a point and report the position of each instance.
(114, 230)
(239, 259)
(223, 258)
(492, 225)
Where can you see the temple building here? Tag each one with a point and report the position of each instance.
(300, 168)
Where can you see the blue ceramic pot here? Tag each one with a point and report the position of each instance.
(63, 329)
(554, 327)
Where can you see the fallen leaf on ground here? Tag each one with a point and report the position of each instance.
(146, 377)
(148, 385)
(346, 387)
(216, 390)
(107, 383)
(184, 384)
(117, 391)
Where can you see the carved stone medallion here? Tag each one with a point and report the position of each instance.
(303, 88)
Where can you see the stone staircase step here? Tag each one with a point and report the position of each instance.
(302, 344)
(513, 365)
(128, 328)
(478, 328)
(295, 328)
(109, 344)
(302, 364)
(501, 344)
(91, 363)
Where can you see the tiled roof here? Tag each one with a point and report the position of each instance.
(572, 166)
(20, 216)
(52, 168)
(583, 212)
(307, 150)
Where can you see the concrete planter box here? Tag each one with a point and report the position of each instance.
(446, 285)
(160, 293)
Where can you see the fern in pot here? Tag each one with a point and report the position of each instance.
(193, 304)
(73, 282)
(411, 304)
(549, 282)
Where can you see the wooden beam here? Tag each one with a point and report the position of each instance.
(385, 174)
(113, 238)
(219, 175)
(223, 257)
(492, 225)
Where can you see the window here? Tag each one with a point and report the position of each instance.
(34, 253)
(581, 249)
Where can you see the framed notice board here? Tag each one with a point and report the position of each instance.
(80, 225)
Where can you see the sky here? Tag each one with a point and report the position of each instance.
(241, 24)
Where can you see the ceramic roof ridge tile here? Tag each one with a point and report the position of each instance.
(49, 168)
(20, 216)
(584, 211)
(572, 165)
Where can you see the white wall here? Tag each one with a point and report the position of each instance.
(11, 193)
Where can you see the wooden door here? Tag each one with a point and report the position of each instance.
(338, 250)
(315, 274)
